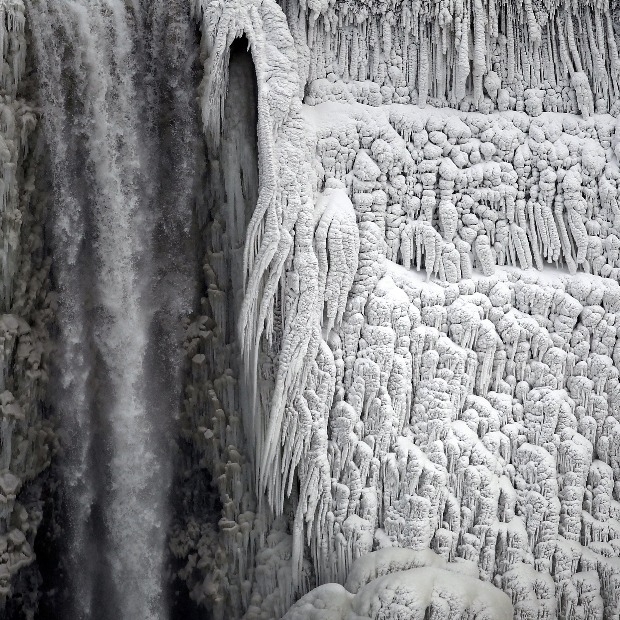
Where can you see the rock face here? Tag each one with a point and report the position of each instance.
(402, 396)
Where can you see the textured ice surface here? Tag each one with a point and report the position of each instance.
(403, 379)
(408, 584)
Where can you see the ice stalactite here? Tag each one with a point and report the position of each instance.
(284, 204)
(100, 90)
(232, 409)
(337, 246)
(13, 45)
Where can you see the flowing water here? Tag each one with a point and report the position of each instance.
(117, 93)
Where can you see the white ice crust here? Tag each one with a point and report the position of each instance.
(436, 288)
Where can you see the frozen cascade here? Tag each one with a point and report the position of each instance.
(239, 169)
(466, 415)
(401, 395)
(123, 189)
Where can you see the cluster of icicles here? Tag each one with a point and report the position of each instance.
(494, 361)
(478, 419)
(558, 56)
(242, 566)
(26, 312)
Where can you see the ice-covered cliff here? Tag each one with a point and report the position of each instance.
(401, 386)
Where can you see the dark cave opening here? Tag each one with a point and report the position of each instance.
(238, 163)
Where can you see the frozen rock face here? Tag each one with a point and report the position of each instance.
(454, 408)
(27, 310)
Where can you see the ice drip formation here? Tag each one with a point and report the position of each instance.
(310, 309)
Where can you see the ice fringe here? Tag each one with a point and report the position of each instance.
(280, 263)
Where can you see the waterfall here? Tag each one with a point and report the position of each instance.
(117, 94)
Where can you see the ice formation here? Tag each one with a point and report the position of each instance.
(394, 582)
(553, 56)
(402, 395)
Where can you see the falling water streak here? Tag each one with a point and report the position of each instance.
(103, 143)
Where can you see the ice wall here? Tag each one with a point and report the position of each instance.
(276, 486)
(398, 404)
(454, 192)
